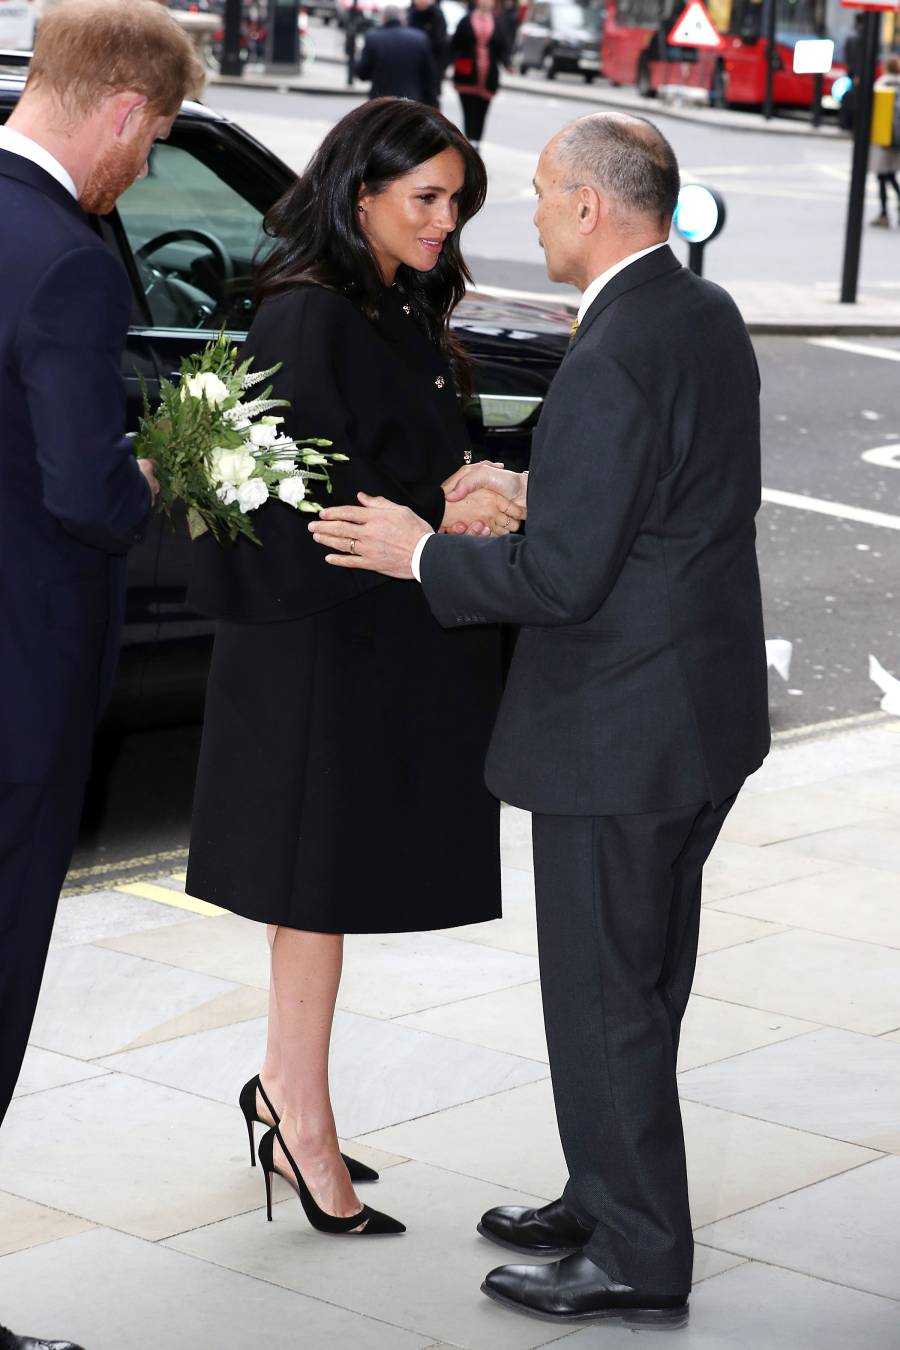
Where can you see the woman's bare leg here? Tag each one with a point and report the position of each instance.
(270, 1073)
(306, 973)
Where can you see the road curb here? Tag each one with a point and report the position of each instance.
(626, 101)
(759, 327)
(272, 84)
(604, 96)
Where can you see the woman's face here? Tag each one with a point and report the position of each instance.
(409, 221)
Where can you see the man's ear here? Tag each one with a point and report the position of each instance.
(589, 210)
(127, 110)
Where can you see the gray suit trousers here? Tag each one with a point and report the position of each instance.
(618, 910)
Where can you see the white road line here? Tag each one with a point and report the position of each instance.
(855, 348)
(885, 456)
(839, 509)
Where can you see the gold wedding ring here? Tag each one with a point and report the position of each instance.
(352, 545)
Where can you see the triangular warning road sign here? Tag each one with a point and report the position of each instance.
(695, 28)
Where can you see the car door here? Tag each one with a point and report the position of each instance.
(191, 232)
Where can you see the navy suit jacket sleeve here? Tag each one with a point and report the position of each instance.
(601, 458)
(69, 346)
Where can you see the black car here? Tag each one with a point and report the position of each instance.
(187, 235)
(560, 35)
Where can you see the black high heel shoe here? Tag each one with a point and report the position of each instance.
(376, 1223)
(247, 1102)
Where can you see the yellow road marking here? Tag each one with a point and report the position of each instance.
(163, 896)
(151, 859)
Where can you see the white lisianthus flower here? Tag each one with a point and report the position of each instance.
(232, 466)
(227, 494)
(292, 491)
(251, 495)
(263, 434)
(205, 385)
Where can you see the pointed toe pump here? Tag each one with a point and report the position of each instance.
(376, 1223)
(247, 1102)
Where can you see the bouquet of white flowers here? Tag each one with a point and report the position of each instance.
(224, 457)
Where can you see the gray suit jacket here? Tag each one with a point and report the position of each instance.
(639, 678)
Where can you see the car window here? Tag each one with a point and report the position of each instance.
(194, 236)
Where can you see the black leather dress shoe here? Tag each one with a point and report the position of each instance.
(552, 1230)
(575, 1290)
(10, 1341)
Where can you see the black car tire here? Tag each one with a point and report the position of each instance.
(548, 65)
(589, 77)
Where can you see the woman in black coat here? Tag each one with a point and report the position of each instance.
(345, 731)
(479, 48)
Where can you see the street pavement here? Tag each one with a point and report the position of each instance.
(131, 1220)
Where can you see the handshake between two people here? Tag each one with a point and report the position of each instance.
(380, 536)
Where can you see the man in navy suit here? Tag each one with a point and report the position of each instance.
(398, 61)
(105, 82)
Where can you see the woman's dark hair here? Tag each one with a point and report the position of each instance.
(318, 238)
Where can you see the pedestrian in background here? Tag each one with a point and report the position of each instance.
(427, 16)
(397, 60)
(106, 80)
(886, 158)
(509, 19)
(479, 48)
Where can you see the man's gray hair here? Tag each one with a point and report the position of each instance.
(626, 157)
(391, 14)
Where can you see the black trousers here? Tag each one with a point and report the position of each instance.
(618, 910)
(886, 180)
(475, 111)
(38, 831)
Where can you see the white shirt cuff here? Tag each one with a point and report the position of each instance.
(416, 560)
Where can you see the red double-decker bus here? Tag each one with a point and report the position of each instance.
(636, 50)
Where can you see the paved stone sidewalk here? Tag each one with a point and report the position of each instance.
(130, 1218)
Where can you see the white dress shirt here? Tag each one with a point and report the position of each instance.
(17, 144)
(587, 299)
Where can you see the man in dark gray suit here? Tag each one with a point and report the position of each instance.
(635, 705)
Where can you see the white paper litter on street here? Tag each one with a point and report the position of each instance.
(778, 656)
(888, 684)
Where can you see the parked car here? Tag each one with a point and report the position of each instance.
(560, 35)
(187, 235)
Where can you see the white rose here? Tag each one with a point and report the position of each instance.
(263, 434)
(227, 494)
(251, 495)
(292, 490)
(207, 386)
(232, 466)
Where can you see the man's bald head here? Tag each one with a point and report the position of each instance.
(625, 158)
